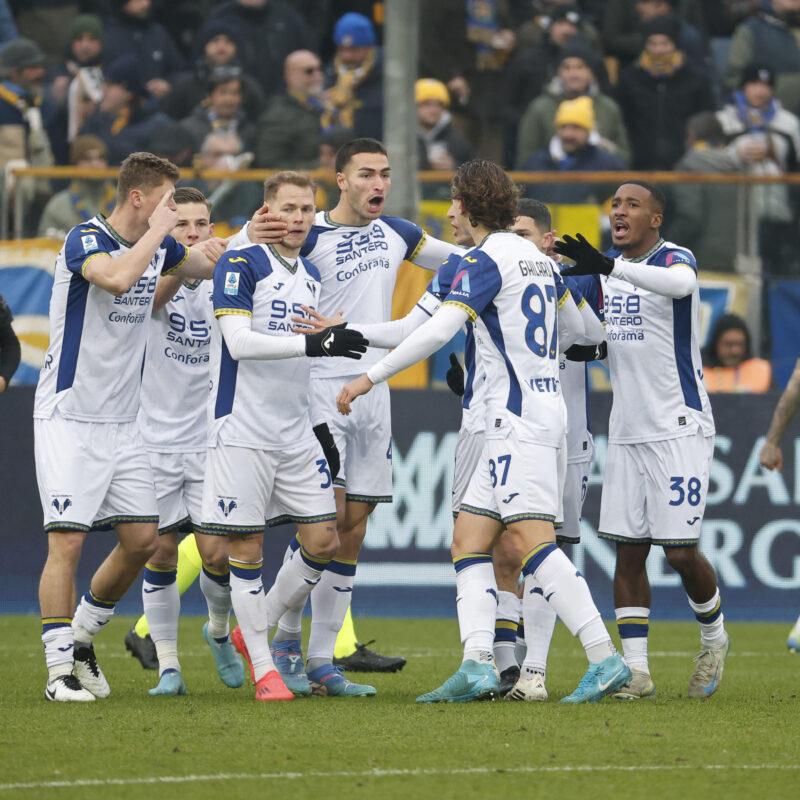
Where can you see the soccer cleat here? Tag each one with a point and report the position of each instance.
(639, 686)
(170, 682)
(365, 660)
(288, 658)
(272, 687)
(508, 679)
(793, 640)
(142, 648)
(88, 673)
(472, 681)
(65, 689)
(237, 639)
(229, 665)
(601, 679)
(707, 674)
(529, 689)
(328, 681)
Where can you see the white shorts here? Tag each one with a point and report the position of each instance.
(468, 453)
(179, 489)
(364, 438)
(574, 494)
(517, 480)
(92, 475)
(656, 491)
(245, 488)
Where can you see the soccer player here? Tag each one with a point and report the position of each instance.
(264, 460)
(358, 252)
(661, 430)
(172, 423)
(772, 458)
(10, 351)
(518, 481)
(91, 467)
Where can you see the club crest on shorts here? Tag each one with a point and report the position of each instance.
(61, 502)
(231, 283)
(227, 504)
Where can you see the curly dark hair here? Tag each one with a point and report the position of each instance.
(488, 194)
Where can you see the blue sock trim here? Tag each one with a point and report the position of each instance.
(97, 602)
(245, 571)
(53, 623)
(342, 567)
(470, 560)
(160, 577)
(222, 580)
(534, 559)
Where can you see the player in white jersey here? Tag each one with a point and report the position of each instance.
(264, 460)
(661, 430)
(358, 253)
(91, 467)
(507, 288)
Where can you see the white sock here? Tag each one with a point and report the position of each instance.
(797, 624)
(568, 593)
(167, 653)
(293, 584)
(505, 630)
(91, 616)
(162, 607)
(330, 600)
(633, 624)
(216, 589)
(57, 638)
(540, 621)
(711, 619)
(250, 606)
(476, 603)
(290, 626)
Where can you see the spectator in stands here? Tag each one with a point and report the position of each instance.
(84, 197)
(658, 93)
(354, 79)
(290, 130)
(440, 145)
(622, 34)
(765, 138)
(74, 86)
(558, 21)
(219, 47)
(575, 77)
(702, 213)
(127, 115)
(174, 143)
(329, 146)
(10, 351)
(130, 29)
(728, 363)
(571, 149)
(770, 37)
(267, 31)
(222, 109)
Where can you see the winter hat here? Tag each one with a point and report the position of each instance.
(125, 72)
(86, 23)
(431, 89)
(757, 72)
(579, 111)
(666, 25)
(20, 53)
(354, 30)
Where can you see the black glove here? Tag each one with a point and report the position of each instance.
(587, 352)
(455, 376)
(329, 448)
(336, 341)
(588, 260)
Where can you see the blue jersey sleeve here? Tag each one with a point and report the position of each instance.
(175, 255)
(84, 242)
(234, 284)
(675, 258)
(591, 291)
(442, 281)
(475, 284)
(411, 234)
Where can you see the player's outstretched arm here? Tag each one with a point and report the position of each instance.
(593, 330)
(788, 405)
(570, 322)
(434, 252)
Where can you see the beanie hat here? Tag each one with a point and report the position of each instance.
(757, 72)
(125, 72)
(581, 51)
(570, 12)
(579, 111)
(217, 28)
(86, 23)
(354, 30)
(666, 25)
(431, 89)
(20, 53)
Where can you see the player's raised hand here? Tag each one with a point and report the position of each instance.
(336, 341)
(588, 260)
(350, 391)
(213, 249)
(771, 456)
(266, 227)
(165, 215)
(314, 322)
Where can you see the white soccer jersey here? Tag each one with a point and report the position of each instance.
(261, 404)
(92, 368)
(654, 356)
(508, 288)
(172, 416)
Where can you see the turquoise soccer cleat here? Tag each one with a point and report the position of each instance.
(229, 665)
(328, 681)
(472, 681)
(288, 658)
(601, 679)
(170, 683)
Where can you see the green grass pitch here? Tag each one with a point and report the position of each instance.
(220, 743)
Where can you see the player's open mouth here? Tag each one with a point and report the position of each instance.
(620, 228)
(375, 203)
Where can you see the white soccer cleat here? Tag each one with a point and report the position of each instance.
(529, 689)
(639, 686)
(708, 673)
(88, 673)
(65, 689)
(793, 640)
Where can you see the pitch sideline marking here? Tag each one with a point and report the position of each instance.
(389, 773)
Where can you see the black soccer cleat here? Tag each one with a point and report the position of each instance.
(142, 648)
(508, 680)
(365, 660)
